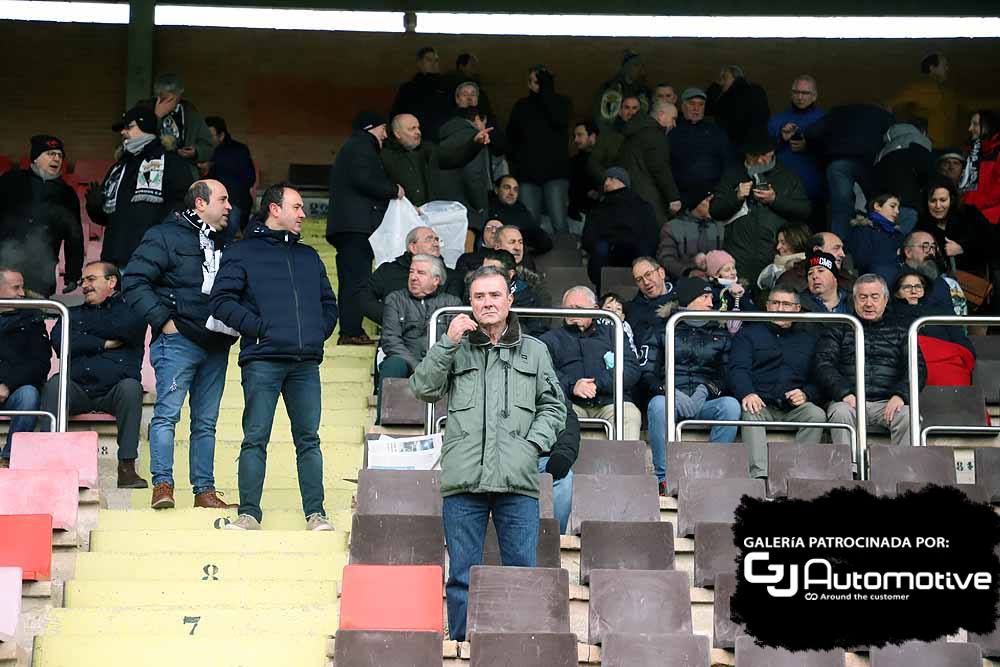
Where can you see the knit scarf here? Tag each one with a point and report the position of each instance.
(970, 175)
(44, 175)
(173, 124)
(884, 224)
(149, 176)
(209, 266)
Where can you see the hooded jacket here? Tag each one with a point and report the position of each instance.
(769, 361)
(360, 190)
(580, 354)
(392, 276)
(25, 354)
(645, 155)
(505, 409)
(405, 321)
(275, 292)
(37, 219)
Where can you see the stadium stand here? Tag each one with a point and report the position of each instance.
(789, 459)
(700, 460)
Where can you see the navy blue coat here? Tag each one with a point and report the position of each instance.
(97, 369)
(870, 247)
(275, 292)
(768, 361)
(699, 153)
(163, 282)
(25, 353)
(233, 167)
(700, 356)
(581, 354)
(641, 314)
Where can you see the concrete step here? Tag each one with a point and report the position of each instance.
(119, 593)
(338, 494)
(217, 622)
(242, 650)
(199, 518)
(209, 566)
(223, 541)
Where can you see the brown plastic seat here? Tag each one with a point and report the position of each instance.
(611, 457)
(712, 500)
(986, 376)
(613, 498)
(790, 459)
(518, 599)
(952, 406)
(927, 654)
(988, 471)
(975, 492)
(415, 492)
(987, 347)
(557, 278)
(643, 601)
(714, 552)
(547, 553)
(749, 654)
(565, 253)
(625, 545)
(724, 629)
(399, 406)
(808, 489)
(383, 648)
(523, 649)
(397, 539)
(546, 508)
(705, 460)
(891, 465)
(622, 649)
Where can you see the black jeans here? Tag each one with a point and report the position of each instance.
(124, 401)
(354, 268)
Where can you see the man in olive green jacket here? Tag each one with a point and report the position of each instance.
(505, 409)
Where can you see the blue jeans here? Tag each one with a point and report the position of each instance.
(298, 384)
(841, 175)
(553, 196)
(465, 518)
(562, 494)
(182, 367)
(907, 219)
(25, 397)
(724, 407)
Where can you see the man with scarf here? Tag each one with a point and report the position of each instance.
(757, 198)
(181, 127)
(168, 283)
(141, 188)
(39, 214)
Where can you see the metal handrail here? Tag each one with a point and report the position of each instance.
(619, 393)
(45, 304)
(917, 437)
(859, 365)
(604, 423)
(851, 431)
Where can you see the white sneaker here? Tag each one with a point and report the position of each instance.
(243, 522)
(318, 522)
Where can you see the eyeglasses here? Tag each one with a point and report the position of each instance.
(648, 275)
(919, 287)
(924, 246)
(783, 305)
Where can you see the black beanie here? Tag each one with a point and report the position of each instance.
(40, 143)
(689, 289)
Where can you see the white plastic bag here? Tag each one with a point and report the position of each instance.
(450, 221)
(389, 241)
(447, 218)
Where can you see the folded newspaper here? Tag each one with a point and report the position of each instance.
(422, 452)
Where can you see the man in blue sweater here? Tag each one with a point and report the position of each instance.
(787, 128)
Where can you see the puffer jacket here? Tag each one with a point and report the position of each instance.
(405, 320)
(769, 361)
(580, 354)
(25, 353)
(641, 314)
(275, 292)
(684, 237)
(701, 355)
(885, 361)
(505, 409)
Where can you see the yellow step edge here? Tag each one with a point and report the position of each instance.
(199, 518)
(209, 567)
(338, 495)
(118, 593)
(227, 541)
(241, 651)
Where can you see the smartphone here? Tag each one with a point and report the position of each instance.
(798, 136)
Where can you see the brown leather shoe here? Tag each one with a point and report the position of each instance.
(128, 478)
(4, 463)
(363, 339)
(163, 497)
(211, 499)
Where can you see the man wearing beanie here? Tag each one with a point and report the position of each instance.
(822, 282)
(360, 192)
(621, 227)
(701, 349)
(146, 184)
(39, 215)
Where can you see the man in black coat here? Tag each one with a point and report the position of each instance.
(145, 185)
(887, 386)
(506, 206)
(360, 191)
(167, 283)
(646, 156)
(621, 227)
(232, 166)
(643, 311)
(275, 292)
(24, 358)
(470, 261)
(699, 150)
(39, 215)
(107, 341)
(425, 95)
(740, 105)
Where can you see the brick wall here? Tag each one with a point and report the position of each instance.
(291, 95)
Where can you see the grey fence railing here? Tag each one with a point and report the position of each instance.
(619, 402)
(58, 420)
(673, 430)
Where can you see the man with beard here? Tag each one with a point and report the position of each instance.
(919, 252)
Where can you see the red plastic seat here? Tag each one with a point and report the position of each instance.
(10, 602)
(27, 544)
(76, 450)
(392, 597)
(5, 163)
(54, 492)
(89, 171)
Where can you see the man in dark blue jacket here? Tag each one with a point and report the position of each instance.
(167, 283)
(232, 166)
(24, 358)
(275, 292)
(643, 311)
(699, 150)
(106, 344)
(360, 192)
(769, 373)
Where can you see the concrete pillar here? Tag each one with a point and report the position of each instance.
(139, 68)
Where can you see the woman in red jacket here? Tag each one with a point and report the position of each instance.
(980, 183)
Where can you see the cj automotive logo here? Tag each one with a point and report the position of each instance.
(820, 582)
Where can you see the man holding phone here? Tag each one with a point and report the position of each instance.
(787, 128)
(182, 128)
(505, 409)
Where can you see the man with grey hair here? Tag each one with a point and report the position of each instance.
(887, 388)
(583, 355)
(182, 127)
(406, 315)
(645, 155)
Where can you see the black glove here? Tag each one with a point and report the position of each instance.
(94, 195)
(558, 465)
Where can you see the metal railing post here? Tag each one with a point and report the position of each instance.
(859, 366)
(61, 418)
(619, 374)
